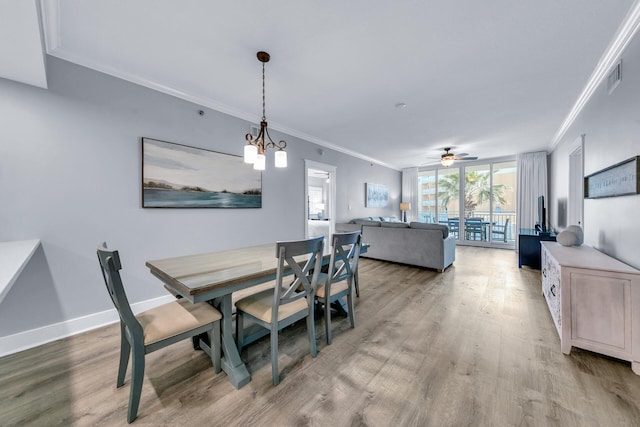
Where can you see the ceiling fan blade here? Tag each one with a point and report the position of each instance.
(462, 155)
(429, 163)
(466, 158)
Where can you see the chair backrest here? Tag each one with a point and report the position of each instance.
(454, 224)
(110, 266)
(473, 223)
(502, 230)
(506, 224)
(303, 283)
(345, 252)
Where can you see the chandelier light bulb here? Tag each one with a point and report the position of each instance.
(281, 159)
(250, 153)
(260, 162)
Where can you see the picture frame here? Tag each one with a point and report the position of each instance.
(181, 176)
(621, 179)
(376, 195)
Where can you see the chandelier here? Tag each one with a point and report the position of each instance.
(254, 150)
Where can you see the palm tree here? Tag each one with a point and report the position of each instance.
(476, 189)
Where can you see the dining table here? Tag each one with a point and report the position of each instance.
(214, 277)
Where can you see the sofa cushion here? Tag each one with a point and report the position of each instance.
(368, 222)
(389, 219)
(394, 225)
(428, 226)
(348, 228)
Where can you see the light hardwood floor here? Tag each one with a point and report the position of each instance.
(474, 346)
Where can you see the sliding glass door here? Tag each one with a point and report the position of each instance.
(479, 209)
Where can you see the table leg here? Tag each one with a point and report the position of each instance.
(232, 364)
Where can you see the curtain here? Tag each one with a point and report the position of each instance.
(410, 191)
(532, 182)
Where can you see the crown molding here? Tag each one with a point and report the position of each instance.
(627, 30)
(51, 23)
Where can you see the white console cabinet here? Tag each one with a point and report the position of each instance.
(594, 301)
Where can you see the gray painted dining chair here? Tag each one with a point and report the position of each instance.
(339, 280)
(290, 300)
(155, 328)
(500, 230)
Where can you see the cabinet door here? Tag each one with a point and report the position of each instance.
(600, 313)
(551, 288)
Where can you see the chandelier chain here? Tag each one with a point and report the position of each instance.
(263, 97)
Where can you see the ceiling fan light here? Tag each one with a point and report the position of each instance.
(446, 161)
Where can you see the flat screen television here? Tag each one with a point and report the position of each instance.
(542, 215)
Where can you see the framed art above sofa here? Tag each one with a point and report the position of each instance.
(377, 195)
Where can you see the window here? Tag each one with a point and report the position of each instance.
(316, 204)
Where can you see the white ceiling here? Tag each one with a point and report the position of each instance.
(490, 78)
(21, 43)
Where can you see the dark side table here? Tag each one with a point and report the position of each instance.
(529, 246)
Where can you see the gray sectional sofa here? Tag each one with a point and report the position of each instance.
(417, 243)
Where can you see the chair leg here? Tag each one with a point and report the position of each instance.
(137, 375)
(274, 354)
(311, 329)
(215, 344)
(327, 320)
(352, 309)
(239, 330)
(356, 283)
(125, 349)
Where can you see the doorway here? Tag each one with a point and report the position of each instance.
(320, 195)
(576, 183)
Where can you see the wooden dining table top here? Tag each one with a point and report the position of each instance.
(205, 272)
(219, 272)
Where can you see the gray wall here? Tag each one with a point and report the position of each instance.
(611, 124)
(70, 172)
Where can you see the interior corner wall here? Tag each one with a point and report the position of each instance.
(611, 125)
(70, 175)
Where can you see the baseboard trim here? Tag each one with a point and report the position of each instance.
(32, 338)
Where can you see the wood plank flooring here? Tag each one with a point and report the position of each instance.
(474, 346)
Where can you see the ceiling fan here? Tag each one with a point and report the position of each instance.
(448, 158)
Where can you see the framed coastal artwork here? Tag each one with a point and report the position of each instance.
(621, 179)
(180, 176)
(377, 195)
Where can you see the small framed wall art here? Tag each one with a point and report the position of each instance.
(377, 195)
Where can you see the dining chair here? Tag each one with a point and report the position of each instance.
(454, 226)
(339, 279)
(474, 228)
(155, 328)
(290, 300)
(500, 230)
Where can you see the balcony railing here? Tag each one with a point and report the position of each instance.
(492, 226)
